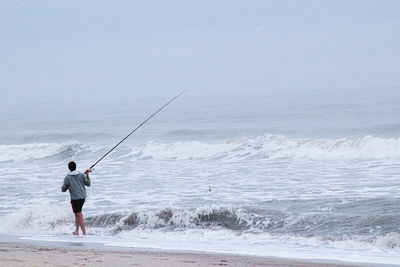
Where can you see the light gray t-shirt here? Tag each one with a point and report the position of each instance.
(75, 181)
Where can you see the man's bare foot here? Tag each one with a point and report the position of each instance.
(75, 233)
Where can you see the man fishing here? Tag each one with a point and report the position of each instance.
(76, 181)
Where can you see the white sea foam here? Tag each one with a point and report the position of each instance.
(282, 245)
(239, 224)
(272, 146)
(227, 241)
(265, 146)
(36, 150)
(35, 219)
(207, 228)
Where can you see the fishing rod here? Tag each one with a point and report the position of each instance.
(140, 125)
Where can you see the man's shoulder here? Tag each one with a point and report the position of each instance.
(82, 175)
(77, 174)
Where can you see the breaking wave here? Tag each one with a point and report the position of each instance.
(278, 227)
(272, 146)
(261, 147)
(169, 219)
(17, 153)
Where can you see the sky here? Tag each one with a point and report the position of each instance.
(55, 50)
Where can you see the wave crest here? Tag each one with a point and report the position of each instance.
(34, 151)
(261, 147)
(278, 227)
(272, 147)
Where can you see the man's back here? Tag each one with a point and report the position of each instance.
(75, 182)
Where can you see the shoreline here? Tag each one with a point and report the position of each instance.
(20, 254)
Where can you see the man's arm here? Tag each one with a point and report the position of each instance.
(87, 178)
(65, 186)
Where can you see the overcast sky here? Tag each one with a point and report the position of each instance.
(51, 50)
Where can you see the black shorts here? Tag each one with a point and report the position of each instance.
(77, 205)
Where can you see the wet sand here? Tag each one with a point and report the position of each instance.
(12, 254)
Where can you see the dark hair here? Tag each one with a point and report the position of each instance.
(72, 166)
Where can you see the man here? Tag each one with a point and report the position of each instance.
(76, 182)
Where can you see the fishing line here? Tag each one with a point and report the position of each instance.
(140, 125)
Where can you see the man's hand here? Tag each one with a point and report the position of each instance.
(87, 173)
(64, 188)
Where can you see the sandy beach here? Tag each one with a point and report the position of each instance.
(12, 254)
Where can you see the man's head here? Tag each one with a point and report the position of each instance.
(72, 166)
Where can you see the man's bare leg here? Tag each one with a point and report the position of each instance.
(76, 224)
(82, 223)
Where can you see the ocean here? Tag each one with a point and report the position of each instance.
(298, 174)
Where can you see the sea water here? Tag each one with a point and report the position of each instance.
(303, 174)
